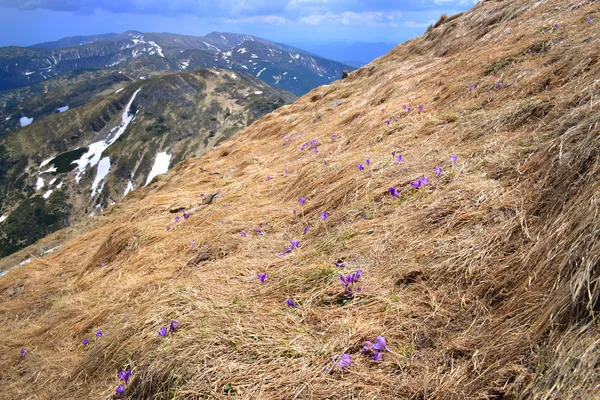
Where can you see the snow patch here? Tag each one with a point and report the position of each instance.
(7, 118)
(258, 92)
(260, 72)
(158, 48)
(3, 217)
(103, 169)
(92, 156)
(39, 184)
(52, 181)
(119, 90)
(234, 76)
(211, 46)
(128, 189)
(49, 170)
(25, 121)
(63, 109)
(161, 166)
(253, 56)
(59, 185)
(242, 50)
(45, 162)
(47, 194)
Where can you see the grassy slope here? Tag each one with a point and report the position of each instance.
(484, 282)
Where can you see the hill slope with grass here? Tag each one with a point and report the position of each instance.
(479, 270)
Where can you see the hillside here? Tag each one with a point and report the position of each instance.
(109, 137)
(482, 280)
(146, 54)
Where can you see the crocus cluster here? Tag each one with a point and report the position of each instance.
(419, 183)
(171, 328)
(294, 244)
(394, 192)
(350, 280)
(123, 375)
(375, 349)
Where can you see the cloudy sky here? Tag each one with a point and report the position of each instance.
(25, 22)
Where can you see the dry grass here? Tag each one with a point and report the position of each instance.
(485, 283)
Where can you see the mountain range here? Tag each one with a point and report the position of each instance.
(145, 54)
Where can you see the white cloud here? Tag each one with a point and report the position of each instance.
(413, 24)
(368, 18)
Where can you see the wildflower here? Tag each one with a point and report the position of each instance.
(339, 264)
(420, 108)
(186, 216)
(368, 162)
(343, 362)
(383, 110)
(85, 342)
(589, 19)
(394, 192)
(324, 216)
(376, 348)
(393, 153)
(453, 159)
(258, 232)
(325, 162)
(60, 275)
(99, 333)
(268, 178)
(500, 84)
(408, 109)
(162, 331)
(360, 167)
(168, 228)
(316, 151)
(243, 233)
(173, 325)
(120, 390)
(177, 218)
(287, 172)
(295, 244)
(387, 121)
(23, 352)
(302, 200)
(472, 88)
(334, 137)
(555, 26)
(124, 375)
(306, 229)
(404, 106)
(399, 158)
(193, 243)
(438, 171)
(290, 302)
(422, 181)
(262, 277)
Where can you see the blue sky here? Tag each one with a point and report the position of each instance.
(25, 22)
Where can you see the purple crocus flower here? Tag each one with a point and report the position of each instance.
(324, 216)
(399, 158)
(295, 244)
(99, 333)
(287, 172)
(472, 88)
(193, 243)
(453, 159)
(368, 162)
(243, 233)
(555, 26)
(383, 110)
(173, 325)
(290, 302)
(420, 108)
(262, 277)
(177, 218)
(162, 331)
(258, 232)
(380, 343)
(186, 216)
(408, 109)
(325, 162)
(344, 361)
(294, 212)
(393, 153)
(404, 106)
(268, 178)
(500, 84)
(360, 167)
(168, 228)
(86, 342)
(306, 229)
(589, 19)
(438, 171)
(60, 275)
(394, 192)
(120, 390)
(339, 264)
(387, 121)
(302, 200)
(24, 352)
(334, 137)
(377, 356)
(316, 150)
(422, 181)
(124, 375)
